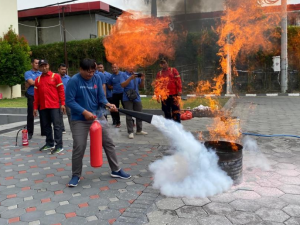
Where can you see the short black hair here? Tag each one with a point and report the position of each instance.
(99, 63)
(87, 64)
(32, 60)
(62, 65)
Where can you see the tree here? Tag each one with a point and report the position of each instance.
(14, 59)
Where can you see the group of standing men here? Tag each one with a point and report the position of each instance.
(81, 98)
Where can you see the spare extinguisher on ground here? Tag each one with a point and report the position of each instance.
(96, 144)
(24, 137)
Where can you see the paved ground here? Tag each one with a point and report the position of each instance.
(33, 184)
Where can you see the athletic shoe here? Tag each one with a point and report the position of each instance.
(46, 147)
(74, 181)
(64, 132)
(57, 150)
(120, 174)
(29, 137)
(118, 125)
(131, 136)
(142, 133)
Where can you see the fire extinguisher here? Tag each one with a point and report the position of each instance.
(96, 144)
(24, 137)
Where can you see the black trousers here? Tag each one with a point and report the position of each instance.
(171, 108)
(48, 117)
(30, 117)
(116, 101)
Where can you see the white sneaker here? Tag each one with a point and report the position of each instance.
(141, 133)
(64, 132)
(130, 136)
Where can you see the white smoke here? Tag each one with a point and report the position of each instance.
(192, 171)
(253, 157)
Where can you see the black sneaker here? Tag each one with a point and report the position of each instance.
(29, 137)
(57, 150)
(46, 147)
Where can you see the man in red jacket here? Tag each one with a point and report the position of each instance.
(49, 97)
(168, 89)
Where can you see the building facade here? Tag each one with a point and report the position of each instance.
(9, 17)
(81, 21)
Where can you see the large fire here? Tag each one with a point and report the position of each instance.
(244, 29)
(138, 41)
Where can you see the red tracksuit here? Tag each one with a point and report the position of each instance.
(49, 91)
(169, 80)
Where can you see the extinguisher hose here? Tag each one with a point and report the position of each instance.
(17, 137)
(272, 135)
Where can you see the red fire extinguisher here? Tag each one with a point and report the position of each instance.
(96, 144)
(24, 137)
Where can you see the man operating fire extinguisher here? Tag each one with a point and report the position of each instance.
(85, 96)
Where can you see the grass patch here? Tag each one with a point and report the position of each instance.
(147, 102)
(13, 103)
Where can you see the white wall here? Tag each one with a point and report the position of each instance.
(6, 91)
(8, 17)
(78, 27)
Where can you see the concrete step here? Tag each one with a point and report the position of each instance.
(12, 118)
(13, 111)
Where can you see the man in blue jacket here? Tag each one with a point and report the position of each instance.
(114, 84)
(107, 76)
(131, 81)
(30, 77)
(84, 96)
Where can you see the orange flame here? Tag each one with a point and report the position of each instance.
(137, 40)
(225, 128)
(160, 88)
(244, 29)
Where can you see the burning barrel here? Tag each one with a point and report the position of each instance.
(230, 158)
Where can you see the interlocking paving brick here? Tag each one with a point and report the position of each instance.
(108, 214)
(162, 217)
(291, 199)
(119, 204)
(245, 205)
(290, 189)
(271, 192)
(196, 201)
(74, 221)
(274, 215)
(243, 218)
(292, 221)
(92, 218)
(243, 194)
(271, 202)
(64, 209)
(181, 221)
(216, 208)
(292, 210)
(169, 204)
(50, 212)
(214, 220)
(12, 201)
(190, 212)
(12, 213)
(32, 216)
(37, 222)
(87, 211)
